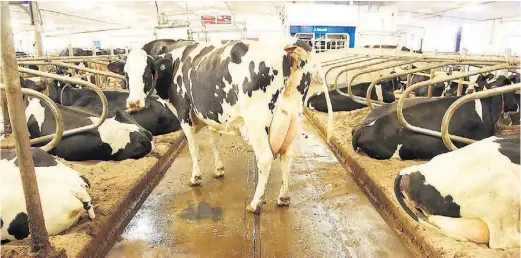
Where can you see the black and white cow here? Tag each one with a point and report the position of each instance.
(382, 92)
(471, 194)
(381, 135)
(118, 138)
(63, 195)
(156, 117)
(250, 88)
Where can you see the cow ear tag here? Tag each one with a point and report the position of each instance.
(155, 76)
(162, 67)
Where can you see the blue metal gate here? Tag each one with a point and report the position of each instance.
(320, 31)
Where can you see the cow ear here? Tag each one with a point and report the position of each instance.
(489, 76)
(116, 67)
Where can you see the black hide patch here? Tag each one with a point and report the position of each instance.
(238, 51)
(188, 50)
(267, 130)
(7, 155)
(40, 158)
(303, 86)
(510, 148)
(274, 98)
(19, 227)
(5, 241)
(258, 81)
(1, 223)
(85, 180)
(208, 83)
(429, 198)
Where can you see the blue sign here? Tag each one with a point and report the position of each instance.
(97, 43)
(320, 31)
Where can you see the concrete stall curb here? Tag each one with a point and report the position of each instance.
(420, 240)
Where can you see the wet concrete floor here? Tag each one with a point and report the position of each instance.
(329, 216)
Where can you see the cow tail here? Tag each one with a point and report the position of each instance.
(401, 199)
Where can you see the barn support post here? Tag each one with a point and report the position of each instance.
(429, 92)
(39, 236)
(5, 113)
(71, 52)
(36, 21)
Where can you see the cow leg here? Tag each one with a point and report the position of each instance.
(462, 229)
(286, 160)
(219, 167)
(194, 152)
(261, 147)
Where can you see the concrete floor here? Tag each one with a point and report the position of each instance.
(329, 215)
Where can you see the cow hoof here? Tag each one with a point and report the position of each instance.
(283, 201)
(253, 210)
(196, 181)
(218, 173)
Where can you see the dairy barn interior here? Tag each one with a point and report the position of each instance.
(260, 129)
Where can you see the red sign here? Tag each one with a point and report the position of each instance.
(219, 19)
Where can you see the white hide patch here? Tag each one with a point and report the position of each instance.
(37, 110)
(396, 154)
(484, 182)
(115, 133)
(135, 68)
(379, 94)
(62, 192)
(479, 108)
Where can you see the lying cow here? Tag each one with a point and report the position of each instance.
(470, 194)
(63, 195)
(247, 88)
(382, 136)
(156, 117)
(382, 92)
(118, 138)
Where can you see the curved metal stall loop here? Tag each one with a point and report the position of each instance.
(50, 58)
(55, 137)
(431, 82)
(83, 83)
(401, 101)
(458, 103)
(334, 61)
(63, 64)
(361, 100)
(357, 60)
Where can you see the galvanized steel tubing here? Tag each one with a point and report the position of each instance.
(445, 136)
(83, 83)
(401, 101)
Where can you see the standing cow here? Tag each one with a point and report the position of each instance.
(471, 193)
(246, 88)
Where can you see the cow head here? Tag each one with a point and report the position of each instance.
(142, 72)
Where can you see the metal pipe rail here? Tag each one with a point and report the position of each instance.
(432, 81)
(66, 57)
(467, 58)
(83, 83)
(458, 103)
(355, 61)
(401, 101)
(59, 63)
(361, 100)
(55, 137)
(332, 61)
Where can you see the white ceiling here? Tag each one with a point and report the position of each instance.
(472, 10)
(61, 17)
